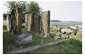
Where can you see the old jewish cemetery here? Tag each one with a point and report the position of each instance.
(26, 32)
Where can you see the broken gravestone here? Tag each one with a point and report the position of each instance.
(24, 38)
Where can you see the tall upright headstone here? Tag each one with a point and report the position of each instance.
(18, 16)
(28, 22)
(45, 23)
(8, 22)
(36, 23)
(13, 21)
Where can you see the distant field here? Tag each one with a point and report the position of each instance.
(54, 23)
(64, 23)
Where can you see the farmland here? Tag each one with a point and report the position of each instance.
(64, 23)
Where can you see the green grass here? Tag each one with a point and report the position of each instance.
(9, 46)
(73, 45)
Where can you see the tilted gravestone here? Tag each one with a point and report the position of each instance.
(28, 22)
(18, 16)
(45, 23)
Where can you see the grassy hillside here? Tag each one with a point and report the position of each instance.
(73, 45)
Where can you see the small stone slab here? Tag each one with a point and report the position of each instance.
(23, 38)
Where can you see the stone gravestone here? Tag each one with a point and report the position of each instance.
(36, 23)
(28, 22)
(24, 38)
(13, 21)
(8, 22)
(45, 20)
(18, 25)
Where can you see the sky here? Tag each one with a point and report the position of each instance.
(60, 10)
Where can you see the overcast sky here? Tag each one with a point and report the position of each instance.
(61, 10)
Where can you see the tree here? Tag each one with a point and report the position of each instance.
(34, 8)
(20, 4)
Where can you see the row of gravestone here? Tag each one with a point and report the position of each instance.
(36, 23)
(14, 21)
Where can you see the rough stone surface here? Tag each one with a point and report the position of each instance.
(18, 15)
(23, 38)
(45, 23)
(8, 23)
(28, 22)
(36, 23)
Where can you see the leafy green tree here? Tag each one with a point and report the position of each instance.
(13, 4)
(20, 4)
(33, 8)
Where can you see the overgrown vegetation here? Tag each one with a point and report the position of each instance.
(73, 45)
(8, 41)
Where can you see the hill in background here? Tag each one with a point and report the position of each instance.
(55, 21)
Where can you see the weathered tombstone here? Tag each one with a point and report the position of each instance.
(36, 23)
(13, 22)
(18, 15)
(45, 20)
(24, 38)
(8, 22)
(28, 22)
